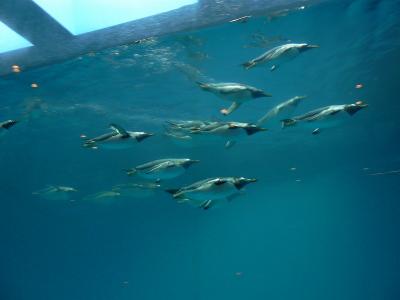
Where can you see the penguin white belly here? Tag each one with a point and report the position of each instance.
(226, 132)
(164, 173)
(239, 96)
(212, 193)
(117, 143)
(231, 133)
(286, 56)
(328, 121)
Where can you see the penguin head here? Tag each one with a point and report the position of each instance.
(305, 47)
(8, 124)
(351, 109)
(143, 135)
(252, 129)
(188, 162)
(259, 94)
(241, 182)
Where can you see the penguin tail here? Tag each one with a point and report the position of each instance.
(130, 172)
(171, 124)
(248, 65)
(288, 122)
(201, 84)
(172, 191)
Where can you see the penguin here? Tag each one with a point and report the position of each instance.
(190, 124)
(136, 190)
(332, 113)
(162, 169)
(206, 192)
(284, 107)
(119, 138)
(52, 192)
(236, 93)
(230, 129)
(8, 124)
(104, 196)
(278, 54)
(204, 130)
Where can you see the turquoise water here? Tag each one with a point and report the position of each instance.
(316, 225)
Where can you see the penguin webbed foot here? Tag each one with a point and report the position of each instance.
(316, 131)
(231, 109)
(273, 68)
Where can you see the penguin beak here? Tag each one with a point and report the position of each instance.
(146, 135)
(260, 94)
(249, 180)
(190, 162)
(361, 104)
(242, 182)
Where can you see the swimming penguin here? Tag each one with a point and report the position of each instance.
(8, 124)
(284, 107)
(278, 54)
(208, 130)
(52, 192)
(204, 193)
(119, 138)
(230, 129)
(136, 190)
(332, 113)
(234, 92)
(104, 196)
(162, 168)
(189, 125)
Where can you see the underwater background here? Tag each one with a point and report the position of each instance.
(316, 225)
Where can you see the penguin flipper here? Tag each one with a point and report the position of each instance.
(157, 167)
(206, 204)
(229, 144)
(273, 68)
(235, 105)
(172, 191)
(118, 129)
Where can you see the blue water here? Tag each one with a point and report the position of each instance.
(326, 230)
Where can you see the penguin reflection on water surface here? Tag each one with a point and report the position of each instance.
(236, 93)
(206, 193)
(119, 138)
